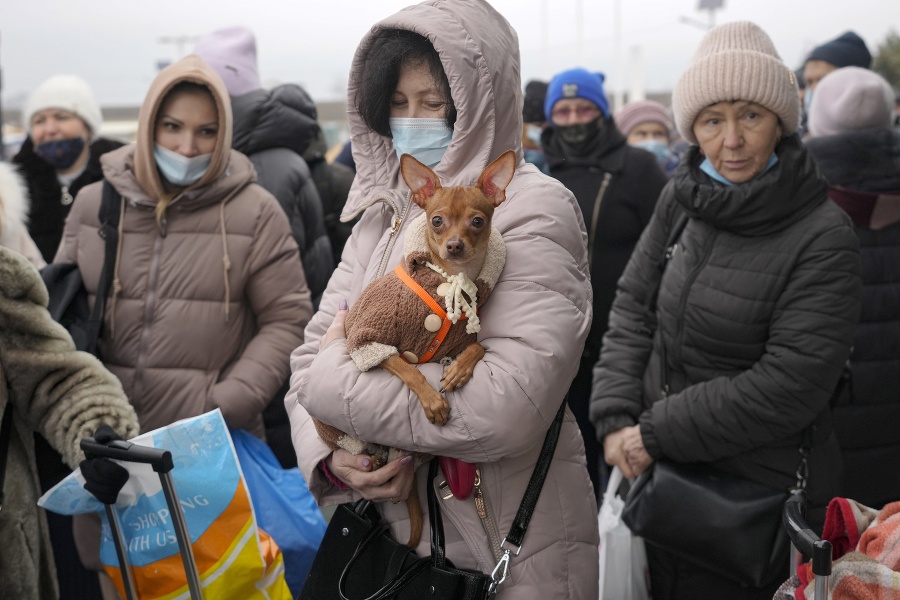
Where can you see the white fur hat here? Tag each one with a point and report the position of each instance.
(68, 92)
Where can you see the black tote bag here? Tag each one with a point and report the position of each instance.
(359, 560)
(723, 523)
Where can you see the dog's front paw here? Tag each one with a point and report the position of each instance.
(456, 375)
(436, 408)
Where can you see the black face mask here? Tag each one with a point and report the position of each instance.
(578, 136)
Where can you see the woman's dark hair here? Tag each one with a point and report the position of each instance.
(389, 51)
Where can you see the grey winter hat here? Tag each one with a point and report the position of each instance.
(736, 61)
(851, 99)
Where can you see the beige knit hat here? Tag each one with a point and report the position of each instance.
(736, 61)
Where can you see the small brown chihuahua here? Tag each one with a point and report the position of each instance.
(452, 257)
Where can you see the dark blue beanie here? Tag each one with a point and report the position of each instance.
(848, 50)
(576, 83)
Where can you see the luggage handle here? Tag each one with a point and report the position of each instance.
(160, 460)
(162, 463)
(804, 538)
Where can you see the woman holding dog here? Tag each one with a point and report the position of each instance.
(757, 303)
(440, 81)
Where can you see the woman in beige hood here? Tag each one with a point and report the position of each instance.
(533, 327)
(208, 296)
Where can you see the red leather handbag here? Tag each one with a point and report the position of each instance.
(460, 476)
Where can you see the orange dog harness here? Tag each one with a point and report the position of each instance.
(433, 305)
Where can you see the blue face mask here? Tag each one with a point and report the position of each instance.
(533, 133)
(707, 168)
(807, 99)
(658, 149)
(60, 154)
(424, 139)
(178, 169)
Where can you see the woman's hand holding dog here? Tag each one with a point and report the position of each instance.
(336, 329)
(392, 482)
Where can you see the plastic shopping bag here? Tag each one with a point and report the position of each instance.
(236, 560)
(284, 506)
(623, 560)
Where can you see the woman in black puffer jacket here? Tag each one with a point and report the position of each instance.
(757, 305)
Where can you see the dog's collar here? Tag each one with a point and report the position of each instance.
(493, 262)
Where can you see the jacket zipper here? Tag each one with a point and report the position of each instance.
(395, 227)
(594, 217)
(65, 198)
(682, 302)
(487, 522)
(149, 308)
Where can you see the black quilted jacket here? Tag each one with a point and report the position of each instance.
(756, 316)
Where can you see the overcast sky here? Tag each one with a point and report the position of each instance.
(115, 44)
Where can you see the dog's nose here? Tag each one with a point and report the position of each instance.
(455, 247)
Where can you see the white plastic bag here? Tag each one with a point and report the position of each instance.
(623, 560)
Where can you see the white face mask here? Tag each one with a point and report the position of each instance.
(424, 139)
(179, 169)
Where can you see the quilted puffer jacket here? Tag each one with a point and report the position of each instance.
(209, 302)
(533, 327)
(755, 319)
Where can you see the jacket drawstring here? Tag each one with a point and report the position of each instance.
(226, 261)
(117, 283)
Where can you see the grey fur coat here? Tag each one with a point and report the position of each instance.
(58, 392)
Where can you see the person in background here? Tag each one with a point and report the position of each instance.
(533, 123)
(857, 149)
(61, 154)
(733, 364)
(53, 390)
(846, 50)
(646, 125)
(14, 210)
(273, 128)
(413, 72)
(208, 297)
(616, 187)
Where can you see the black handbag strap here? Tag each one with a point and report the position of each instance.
(438, 560)
(110, 212)
(533, 491)
(5, 435)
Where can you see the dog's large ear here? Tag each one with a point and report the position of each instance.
(422, 181)
(496, 177)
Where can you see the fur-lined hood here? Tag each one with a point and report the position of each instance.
(14, 206)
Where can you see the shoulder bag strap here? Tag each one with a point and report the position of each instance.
(110, 209)
(513, 542)
(5, 435)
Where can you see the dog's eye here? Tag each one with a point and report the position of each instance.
(478, 222)
(436, 221)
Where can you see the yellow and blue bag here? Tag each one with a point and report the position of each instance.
(236, 559)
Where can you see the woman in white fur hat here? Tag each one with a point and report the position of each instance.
(61, 154)
(733, 366)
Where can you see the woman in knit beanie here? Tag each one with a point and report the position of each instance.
(646, 124)
(616, 187)
(857, 149)
(61, 154)
(731, 368)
